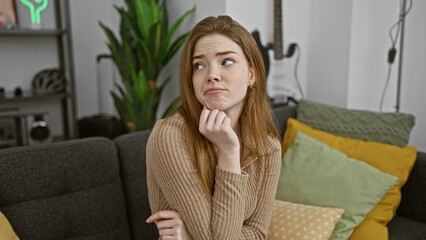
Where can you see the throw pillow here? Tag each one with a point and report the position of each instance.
(391, 128)
(390, 159)
(6, 231)
(313, 173)
(299, 221)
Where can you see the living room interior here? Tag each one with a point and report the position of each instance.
(336, 60)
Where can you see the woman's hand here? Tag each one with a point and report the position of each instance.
(170, 225)
(216, 126)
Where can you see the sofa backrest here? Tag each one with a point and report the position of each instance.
(132, 151)
(281, 114)
(65, 190)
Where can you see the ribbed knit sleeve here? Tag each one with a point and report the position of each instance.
(256, 226)
(176, 179)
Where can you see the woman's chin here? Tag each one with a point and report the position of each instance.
(217, 106)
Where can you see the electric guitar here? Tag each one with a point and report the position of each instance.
(281, 82)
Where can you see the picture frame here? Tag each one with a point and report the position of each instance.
(8, 19)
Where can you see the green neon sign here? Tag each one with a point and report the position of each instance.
(35, 10)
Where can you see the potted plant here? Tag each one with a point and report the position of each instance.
(146, 47)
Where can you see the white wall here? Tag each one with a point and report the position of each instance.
(328, 51)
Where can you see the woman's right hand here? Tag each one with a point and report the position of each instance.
(216, 126)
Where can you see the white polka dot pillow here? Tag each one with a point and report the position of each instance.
(298, 221)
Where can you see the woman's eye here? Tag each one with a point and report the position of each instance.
(198, 66)
(227, 62)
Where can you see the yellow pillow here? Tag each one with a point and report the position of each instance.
(397, 161)
(299, 221)
(6, 231)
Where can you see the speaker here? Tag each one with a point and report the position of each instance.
(38, 130)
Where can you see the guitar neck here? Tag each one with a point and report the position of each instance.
(278, 34)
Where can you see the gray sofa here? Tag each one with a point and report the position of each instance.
(95, 188)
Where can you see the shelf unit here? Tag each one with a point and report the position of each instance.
(62, 34)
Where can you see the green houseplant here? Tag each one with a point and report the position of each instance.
(146, 47)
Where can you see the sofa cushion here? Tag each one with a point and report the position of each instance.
(300, 221)
(64, 190)
(315, 174)
(132, 152)
(388, 158)
(391, 128)
(6, 231)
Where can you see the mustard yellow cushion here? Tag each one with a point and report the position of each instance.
(6, 231)
(396, 161)
(299, 221)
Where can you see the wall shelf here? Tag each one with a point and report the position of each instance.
(31, 97)
(32, 32)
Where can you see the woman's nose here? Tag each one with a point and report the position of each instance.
(214, 74)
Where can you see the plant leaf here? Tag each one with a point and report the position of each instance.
(175, 47)
(142, 18)
(155, 39)
(175, 26)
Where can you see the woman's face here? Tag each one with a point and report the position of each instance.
(220, 74)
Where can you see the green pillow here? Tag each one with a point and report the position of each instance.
(313, 173)
(390, 128)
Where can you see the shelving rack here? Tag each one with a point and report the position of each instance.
(62, 34)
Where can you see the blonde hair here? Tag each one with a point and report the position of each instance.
(256, 111)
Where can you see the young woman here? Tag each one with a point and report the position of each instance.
(213, 167)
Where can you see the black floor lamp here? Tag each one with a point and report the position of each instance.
(400, 29)
(401, 50)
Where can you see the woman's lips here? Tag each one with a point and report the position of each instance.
(215, 90)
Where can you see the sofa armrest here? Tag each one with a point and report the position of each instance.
(414, 192)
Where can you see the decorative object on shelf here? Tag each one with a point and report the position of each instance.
(5, 21)
(7, 14)
(18, 92)
(49, 81)
(37, 14)
(140, 56)
(35, 9)
(39, 131)
(9, 134)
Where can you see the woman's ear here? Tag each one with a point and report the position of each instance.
(252, 77)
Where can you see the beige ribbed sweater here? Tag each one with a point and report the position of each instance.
(241, 205)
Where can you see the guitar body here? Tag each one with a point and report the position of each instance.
(280, 68)
(281, 82)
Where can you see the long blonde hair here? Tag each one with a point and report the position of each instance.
(256, 111)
